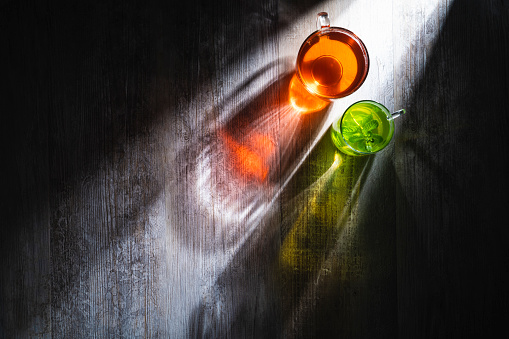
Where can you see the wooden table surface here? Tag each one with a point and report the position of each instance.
(157, 183)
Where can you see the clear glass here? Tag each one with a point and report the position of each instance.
(365, 128)
(332, 62)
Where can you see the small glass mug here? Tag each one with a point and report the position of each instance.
(332, 62)
(365, 128)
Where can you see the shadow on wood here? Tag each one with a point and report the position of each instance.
(278, 270)
(453, 264)
(88, 86)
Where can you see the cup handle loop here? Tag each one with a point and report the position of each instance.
(322, 20)
(397, 114)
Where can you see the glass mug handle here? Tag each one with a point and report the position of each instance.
(322, 20)
(397, 114)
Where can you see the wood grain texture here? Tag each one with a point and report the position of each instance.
(451, 258)
(157, 183)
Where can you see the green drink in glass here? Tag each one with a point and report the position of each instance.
(365, 128)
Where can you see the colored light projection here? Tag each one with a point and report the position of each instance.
(249, 157)
(320, 260)
(263, 137)
(319, 231)
(244, 164)
(302, 248)
(324, 208)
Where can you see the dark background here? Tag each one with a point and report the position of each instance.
(86, 88)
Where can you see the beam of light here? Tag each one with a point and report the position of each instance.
(234, 212)
(384, 51)
(232, 205)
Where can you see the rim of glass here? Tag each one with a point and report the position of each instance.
(359, 42)
(389, 119)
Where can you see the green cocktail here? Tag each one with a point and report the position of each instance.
(366, 127)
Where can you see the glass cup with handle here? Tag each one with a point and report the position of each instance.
(365, 128)
(332, 62)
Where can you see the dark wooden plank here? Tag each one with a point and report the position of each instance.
(25, 278)
(452, 257)
(156, 182)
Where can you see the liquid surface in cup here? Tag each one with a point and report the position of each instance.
(332, 63)
(365, 127)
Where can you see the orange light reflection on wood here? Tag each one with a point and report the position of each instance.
(250, 156)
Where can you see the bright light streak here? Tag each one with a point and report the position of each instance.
(236, 210)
